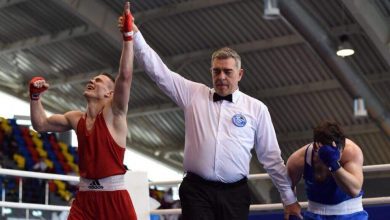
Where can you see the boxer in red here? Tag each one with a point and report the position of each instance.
(101, 132)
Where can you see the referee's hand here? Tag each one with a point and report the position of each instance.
(292, 211)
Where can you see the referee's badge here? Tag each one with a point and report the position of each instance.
(239, 120)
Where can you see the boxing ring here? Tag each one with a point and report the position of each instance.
(138, 187)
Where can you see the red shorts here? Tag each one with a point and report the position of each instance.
(102, 205)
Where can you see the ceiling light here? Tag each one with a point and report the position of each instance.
(271, 10)
(345, 48)
(359, 108)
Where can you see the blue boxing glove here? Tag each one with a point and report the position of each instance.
(330, 156)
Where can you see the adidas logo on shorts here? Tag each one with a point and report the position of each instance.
(95, 185)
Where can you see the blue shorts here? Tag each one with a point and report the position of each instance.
(354, 216)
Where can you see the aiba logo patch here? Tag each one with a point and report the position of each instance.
(239, 120)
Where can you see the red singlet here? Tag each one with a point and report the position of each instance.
(100, 157)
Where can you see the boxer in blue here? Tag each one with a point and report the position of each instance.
(332, 168)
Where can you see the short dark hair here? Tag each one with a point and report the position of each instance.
(328, 131)
(225, 53)
(109, 76)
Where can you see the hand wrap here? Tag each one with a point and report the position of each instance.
(36, 91)
(127, 22)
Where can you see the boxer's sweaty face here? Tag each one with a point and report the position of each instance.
(98, 86)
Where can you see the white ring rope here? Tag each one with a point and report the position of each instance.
(20, 173)
(255, 207)
(263, 176)
(38, 175)
(276, 206)
(19, 205)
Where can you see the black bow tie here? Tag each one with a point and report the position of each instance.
(217, 97)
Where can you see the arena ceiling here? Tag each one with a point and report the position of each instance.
(290, 63)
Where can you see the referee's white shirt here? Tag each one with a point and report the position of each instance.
(217, 147)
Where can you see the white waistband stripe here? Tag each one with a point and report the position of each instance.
(111, 183)
(347, 207)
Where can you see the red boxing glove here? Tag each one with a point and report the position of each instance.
(35, 91)
(127, 22)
